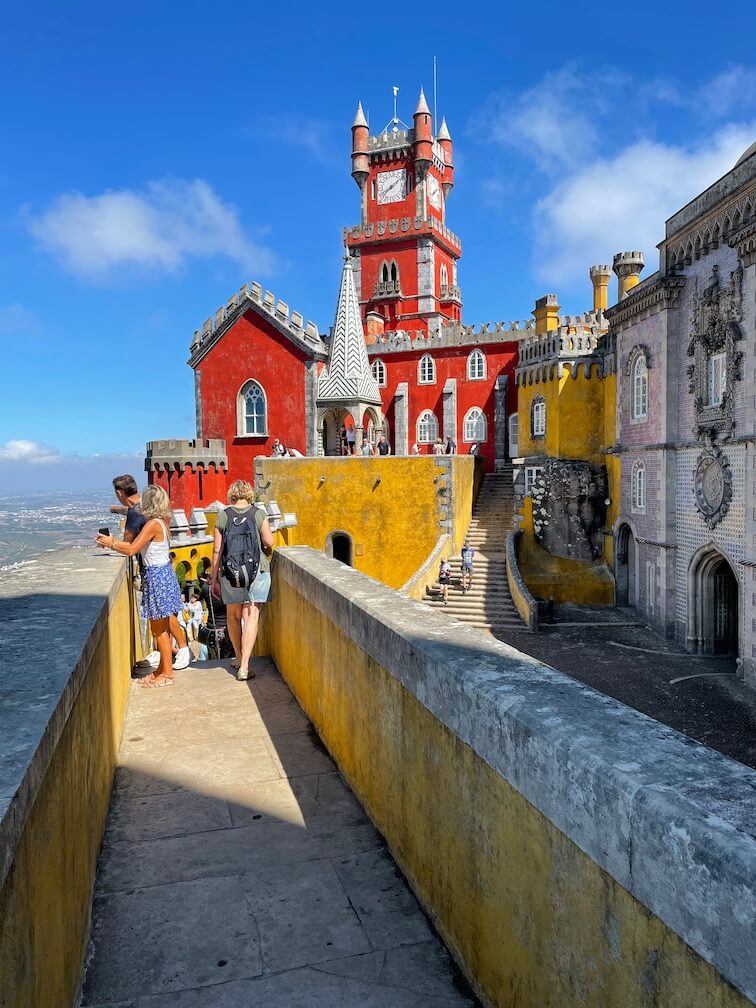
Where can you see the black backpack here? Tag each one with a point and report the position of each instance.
(241, 548)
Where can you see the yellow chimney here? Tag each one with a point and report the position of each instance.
(546, 314)
(600, 279)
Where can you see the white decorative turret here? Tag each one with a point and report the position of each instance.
(347, 378)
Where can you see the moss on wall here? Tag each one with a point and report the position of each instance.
(45, 901)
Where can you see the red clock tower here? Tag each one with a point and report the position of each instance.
(404, 258)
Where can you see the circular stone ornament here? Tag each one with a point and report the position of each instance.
(712, 485)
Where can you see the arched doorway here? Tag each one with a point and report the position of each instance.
(713, 604)
(339, 546)
(626, 567)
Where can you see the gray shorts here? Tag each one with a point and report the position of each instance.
(258, 591)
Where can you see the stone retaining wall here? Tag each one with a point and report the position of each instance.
(67, 649)
(571, 851)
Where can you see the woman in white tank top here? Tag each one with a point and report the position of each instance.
(161, 595)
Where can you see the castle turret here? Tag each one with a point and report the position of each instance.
(423, 147)
(445, 143)
(360, 159)
(546, 314)
(628, 267)
(600, 279)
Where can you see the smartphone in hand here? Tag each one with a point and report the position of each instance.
(103, 531)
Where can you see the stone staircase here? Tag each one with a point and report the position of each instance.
(487, 604)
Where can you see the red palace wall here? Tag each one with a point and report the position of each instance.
(451, 363)
(253, 348)
(396, 311)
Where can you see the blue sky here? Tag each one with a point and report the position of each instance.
(156, 157)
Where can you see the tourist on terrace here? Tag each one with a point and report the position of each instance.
(366, 450)
(451, 446)
(351, 436)
(416, 449)
(438, 447)
(383, 447)
(190, 618)
(242, 518)
(130, 503)
(278, 450)
(161, 596)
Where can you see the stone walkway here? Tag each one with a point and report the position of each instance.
(239, 870)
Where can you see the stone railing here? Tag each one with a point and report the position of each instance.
(178, 453)
(524, 603)
(450, 293)
(617, 855)
(452, 334)
(68, 647)
(556, 345)
(387, 288)
(403, 225)
(277, 310)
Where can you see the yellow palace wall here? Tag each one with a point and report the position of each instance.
(580, 424)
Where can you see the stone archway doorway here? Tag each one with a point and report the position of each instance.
(713, 604)
(626, 568)
(339, 546)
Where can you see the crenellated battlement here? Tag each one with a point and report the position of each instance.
(402, 225)
(176, 454)
(577, 340)
(305, 333)
(451, 334)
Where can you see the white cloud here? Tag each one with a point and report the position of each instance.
(22, 450)
(160, 228)
(732, 90)
(555, 122)
(618, 203)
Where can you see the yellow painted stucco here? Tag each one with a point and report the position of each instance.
(46, 898)
(574, 417)
(390, 507)
(532, 919)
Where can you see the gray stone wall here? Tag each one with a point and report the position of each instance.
(649, 333)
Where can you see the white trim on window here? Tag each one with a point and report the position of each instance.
(639, 390)
(538, 417)
(427, 427)
(638, 488)
(378, 369)
(716, 378)
(426, 370)
(476, 366)
(251, 410)
(474, 427)
(531, 475)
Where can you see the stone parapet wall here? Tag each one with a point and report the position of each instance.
(571, 851)
(67, 658)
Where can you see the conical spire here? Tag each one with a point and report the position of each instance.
(422, 104)
(443, 132)
(347, 377)
(359, 119)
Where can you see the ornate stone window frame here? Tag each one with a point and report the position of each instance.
(715, 328)
(638, 487)
(638, 356)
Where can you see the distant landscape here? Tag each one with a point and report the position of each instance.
(34, 524)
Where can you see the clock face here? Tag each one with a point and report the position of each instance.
(434, 192)
(392, 186)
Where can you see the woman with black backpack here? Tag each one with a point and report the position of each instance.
(241, 570)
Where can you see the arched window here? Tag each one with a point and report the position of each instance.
(427, 428)
(639, 389)
(638, 487)
(444, 275)
(394, 272)
(384, 273)
(476, 366)
(474, 427)
(379, 372)
(251, 410)
(538, 417)
(426, 370)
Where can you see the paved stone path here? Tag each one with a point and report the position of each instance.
(238, 869)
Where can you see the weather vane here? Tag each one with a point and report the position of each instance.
(395, 122)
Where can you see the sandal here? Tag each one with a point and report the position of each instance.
(150, 682)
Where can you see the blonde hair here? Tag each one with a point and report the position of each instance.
(155, 503)
(241, 490)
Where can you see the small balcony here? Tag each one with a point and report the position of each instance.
(387, 289)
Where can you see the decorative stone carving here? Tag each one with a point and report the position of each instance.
(569, 508)
(640, 349)
(712, 482)
(715, 328)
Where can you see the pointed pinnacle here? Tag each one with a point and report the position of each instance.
(359, 119)
(422, 104)
(443, 132)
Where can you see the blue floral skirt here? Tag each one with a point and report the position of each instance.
(161, 595)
